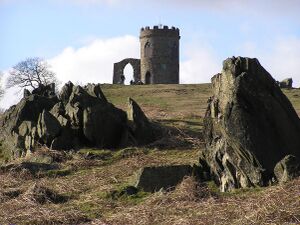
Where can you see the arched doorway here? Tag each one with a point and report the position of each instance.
(128, 73)
(148, 78)
(120, 71)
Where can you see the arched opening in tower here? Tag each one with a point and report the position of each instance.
(148, 78)
(128, 73)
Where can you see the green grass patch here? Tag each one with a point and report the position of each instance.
(90, 209)
(119, 194)
(58, 173)
(97, 153)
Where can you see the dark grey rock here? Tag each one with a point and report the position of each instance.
(142, 130)
(286, 83)
(95, 90)
(151, 179)
(287, 168)
(48, 127)
(28, 109)
(18, 124)
(128, 191)
(82, 116)
(249, 125)
(104, 125)
(65, 92)
(45, 90)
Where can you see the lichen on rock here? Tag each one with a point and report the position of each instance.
(249, 125)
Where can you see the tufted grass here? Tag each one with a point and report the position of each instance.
(88, 183)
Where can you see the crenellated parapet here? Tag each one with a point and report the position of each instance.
(159, 31)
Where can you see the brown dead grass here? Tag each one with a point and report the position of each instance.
(89, 181)
(191, 204)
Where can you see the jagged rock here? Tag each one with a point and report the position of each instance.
(95, 119)
(142, 130)
(57, 110)
(18, 122)
(287, 168)
(249, 125)
(65, 92)
(95, 90)
(45, 90)
(48, 127)
(104, 125)
(26, 128)
(81, 116)
(151, 179)
(286, 83)
(28, 109)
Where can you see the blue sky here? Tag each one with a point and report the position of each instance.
(82, 38)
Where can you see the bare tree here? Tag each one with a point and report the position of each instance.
(32, 72)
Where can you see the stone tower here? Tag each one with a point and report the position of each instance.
(159, 55)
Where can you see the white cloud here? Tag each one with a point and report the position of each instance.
(281, 60)
(11, 96)
(284, 60)
(200, 65)
(94, 62)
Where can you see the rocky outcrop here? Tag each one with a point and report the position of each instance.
(287, 169)
(151, 179)
(286, 83)
(249, 126)
(142, 130)
(80, 116)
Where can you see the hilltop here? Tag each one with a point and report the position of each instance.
(86, 191)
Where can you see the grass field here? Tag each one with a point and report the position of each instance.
(87, 185)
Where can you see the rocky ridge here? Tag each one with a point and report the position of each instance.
(77, 116)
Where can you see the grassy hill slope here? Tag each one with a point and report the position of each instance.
(89, 186)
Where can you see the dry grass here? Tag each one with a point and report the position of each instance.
(191, 204)
(87, 184)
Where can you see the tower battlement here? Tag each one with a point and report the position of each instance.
(159, 31)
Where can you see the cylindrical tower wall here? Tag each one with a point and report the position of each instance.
(160, 55)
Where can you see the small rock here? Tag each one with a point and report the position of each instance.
(287, 169)
(286, 83)
(151, 179)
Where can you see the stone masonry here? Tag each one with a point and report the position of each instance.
(159, 63)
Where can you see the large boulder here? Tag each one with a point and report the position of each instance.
(249, 125)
